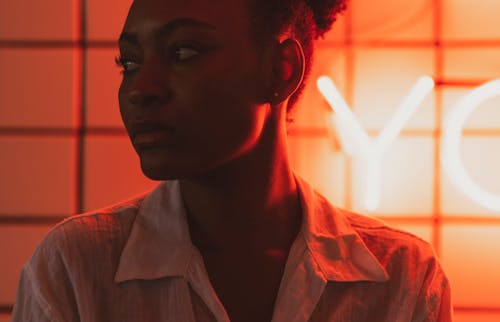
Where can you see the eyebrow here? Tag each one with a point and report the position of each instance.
(166, 29)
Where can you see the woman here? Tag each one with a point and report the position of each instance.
(231, 233)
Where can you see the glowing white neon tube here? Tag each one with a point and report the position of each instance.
(450, 147)
(351, 134)
(356, 142)
(418, 93)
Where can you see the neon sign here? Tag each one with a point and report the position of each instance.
(450, 151)
(369, 152)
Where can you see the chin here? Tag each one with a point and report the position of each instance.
(170, 171)
(166, 167)
(156, 165)
(160, 173)
(153, 175)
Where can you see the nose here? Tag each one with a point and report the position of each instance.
(150, 86)
(142, 99)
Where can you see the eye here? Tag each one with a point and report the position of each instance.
(180, 54)
(128, 66)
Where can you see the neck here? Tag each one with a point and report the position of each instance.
(250, 203)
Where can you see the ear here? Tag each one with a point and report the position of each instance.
(288, 70)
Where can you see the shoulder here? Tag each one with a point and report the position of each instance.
(114, 221)
(409, 260)
(391, 246)
(80, 251)
(90, 236)
(412, 264)
(386, 241)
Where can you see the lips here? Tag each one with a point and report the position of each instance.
(150, 135)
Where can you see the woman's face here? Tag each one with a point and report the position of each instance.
(192, 94)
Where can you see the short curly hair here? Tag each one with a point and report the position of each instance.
(306, 20)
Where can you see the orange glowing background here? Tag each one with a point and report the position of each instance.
(63, 149)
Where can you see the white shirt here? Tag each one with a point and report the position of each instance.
(134, 261)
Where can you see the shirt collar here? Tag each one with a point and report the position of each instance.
(335, 245)
(159, 244)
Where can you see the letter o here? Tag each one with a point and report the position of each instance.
(450, 147)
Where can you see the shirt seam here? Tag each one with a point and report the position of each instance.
(387, 228)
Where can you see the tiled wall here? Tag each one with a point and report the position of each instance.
(63, 150)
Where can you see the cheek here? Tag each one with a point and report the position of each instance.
(121, 99)
(124, 104)
(224, 119)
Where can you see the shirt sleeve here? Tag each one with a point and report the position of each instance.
(434, 300)
(27, 307)
(45, 292)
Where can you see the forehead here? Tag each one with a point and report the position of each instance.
(147, 15)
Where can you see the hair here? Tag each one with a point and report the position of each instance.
(305, 20)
